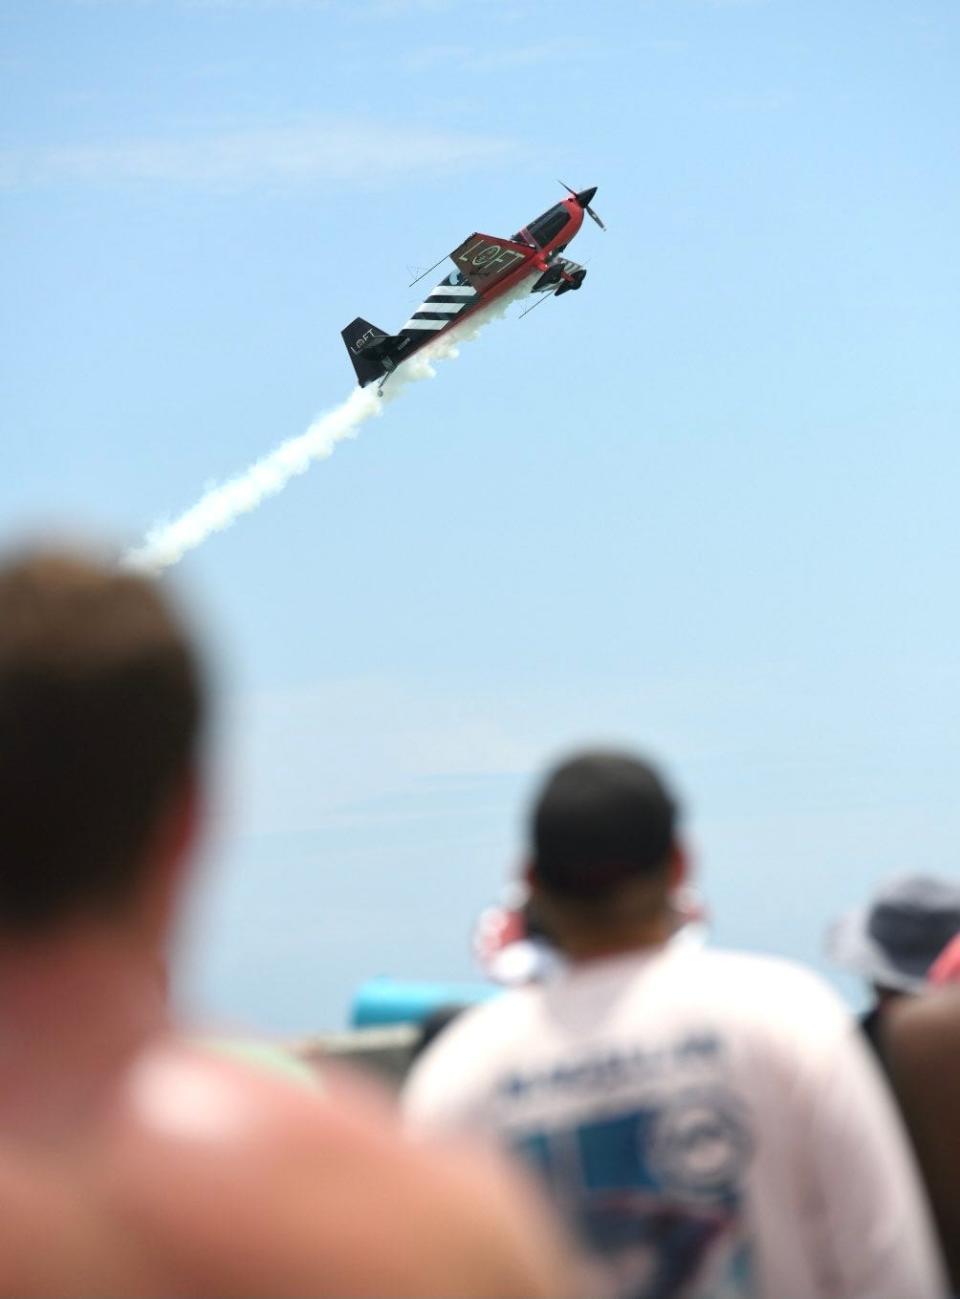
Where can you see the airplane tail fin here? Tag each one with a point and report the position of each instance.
(367, 346)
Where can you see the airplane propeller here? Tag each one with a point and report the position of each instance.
(584, 198)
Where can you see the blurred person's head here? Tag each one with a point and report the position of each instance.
(604, 857)
(101, 708)
(893, 941)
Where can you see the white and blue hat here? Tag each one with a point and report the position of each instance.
(894, 941)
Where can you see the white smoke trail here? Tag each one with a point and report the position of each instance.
(167, 543)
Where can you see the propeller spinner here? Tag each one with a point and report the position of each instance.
(584, 198)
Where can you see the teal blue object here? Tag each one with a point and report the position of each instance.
(391, 1001)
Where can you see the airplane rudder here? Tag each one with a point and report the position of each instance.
(360, 339)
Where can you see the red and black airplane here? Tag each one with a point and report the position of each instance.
(486, 268)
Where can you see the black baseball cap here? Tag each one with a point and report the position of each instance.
(601, 818)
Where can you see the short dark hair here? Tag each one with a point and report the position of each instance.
(101, 705)
(601, 818)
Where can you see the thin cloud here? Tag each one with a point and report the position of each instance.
(409, 8)
(335, 150)
(340, 759)
(205, 4)
(559, 49)
(403, 8)
(362, 8)
(761, 101)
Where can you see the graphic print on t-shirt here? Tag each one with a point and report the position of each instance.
(654, 1188)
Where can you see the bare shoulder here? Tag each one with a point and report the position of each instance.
(256, 1185)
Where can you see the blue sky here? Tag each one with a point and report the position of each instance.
(705, 507)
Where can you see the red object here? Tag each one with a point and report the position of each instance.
(946, 968)
(496, 928)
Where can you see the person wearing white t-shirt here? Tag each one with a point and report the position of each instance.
(709, 1123)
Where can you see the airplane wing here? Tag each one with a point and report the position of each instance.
(483, 259)
(561, 269)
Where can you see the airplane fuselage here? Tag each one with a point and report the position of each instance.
(486, 269)
(454, 299)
